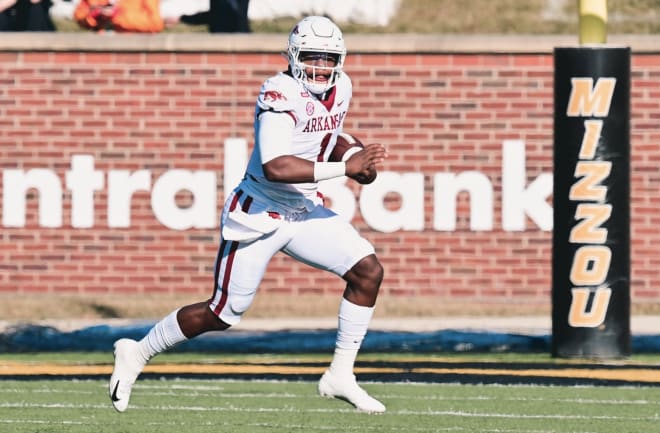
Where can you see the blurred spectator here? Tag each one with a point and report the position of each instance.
(138, 16)
(223, 16)
(25, 15)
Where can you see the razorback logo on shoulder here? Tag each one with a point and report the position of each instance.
(274, 95)
(324, 123)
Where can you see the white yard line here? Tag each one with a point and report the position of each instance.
(285, 426)
(290, 409)
(175, 392)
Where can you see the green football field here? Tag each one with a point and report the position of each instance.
(186, 393)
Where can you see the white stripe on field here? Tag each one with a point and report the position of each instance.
(290, 409)
(170, 391)
(44, 391)
(41, 421)
(379, 428)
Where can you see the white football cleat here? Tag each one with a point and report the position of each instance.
(128, 365)
(346, 388)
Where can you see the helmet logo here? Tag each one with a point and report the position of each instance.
(295, 30)
(310, 108)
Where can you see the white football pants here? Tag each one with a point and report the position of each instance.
(252, 232)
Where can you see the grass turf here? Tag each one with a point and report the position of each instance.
(249, 406)
(213, 405)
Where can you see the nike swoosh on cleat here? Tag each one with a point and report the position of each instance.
(114, 393)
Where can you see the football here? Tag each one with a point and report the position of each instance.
(344, 142)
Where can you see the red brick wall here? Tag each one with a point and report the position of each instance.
(164, 111)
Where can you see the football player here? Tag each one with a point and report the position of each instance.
(276, 207)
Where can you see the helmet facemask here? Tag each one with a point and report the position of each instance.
(316, 48)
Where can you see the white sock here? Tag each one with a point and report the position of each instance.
(351, 329)
(165, 334)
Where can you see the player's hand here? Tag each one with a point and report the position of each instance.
(361, 166)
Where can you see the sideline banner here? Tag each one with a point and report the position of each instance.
(591, 235)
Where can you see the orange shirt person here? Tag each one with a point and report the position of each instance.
(124, 16)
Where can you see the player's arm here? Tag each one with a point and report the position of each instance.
(274, 135)
(291, 169)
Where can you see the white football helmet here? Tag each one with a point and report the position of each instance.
(315, 34)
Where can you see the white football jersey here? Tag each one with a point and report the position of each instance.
(313, 119)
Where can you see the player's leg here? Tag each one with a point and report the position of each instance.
(131, 356)
(355, 312)
(239, 269)
(327, 242)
